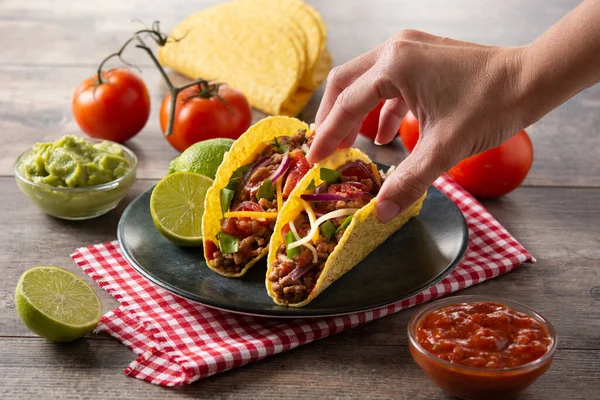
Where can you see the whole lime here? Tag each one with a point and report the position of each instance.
(202, 158)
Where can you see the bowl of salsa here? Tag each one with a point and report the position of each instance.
(481, 347)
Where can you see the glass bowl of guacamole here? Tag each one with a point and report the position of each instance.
(75, 178)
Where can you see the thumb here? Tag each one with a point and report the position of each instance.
(411, 179)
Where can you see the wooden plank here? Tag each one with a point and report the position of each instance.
(35, 100)
(64, 33)
(84, 369)
(569, 264)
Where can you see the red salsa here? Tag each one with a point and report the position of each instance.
(483, 335)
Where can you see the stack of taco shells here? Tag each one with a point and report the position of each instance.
(273, 51)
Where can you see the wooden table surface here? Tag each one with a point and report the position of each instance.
(49, 46)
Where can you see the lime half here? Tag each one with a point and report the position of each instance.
(177, 206)
(56, 304)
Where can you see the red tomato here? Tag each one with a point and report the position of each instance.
(359, 173)
(248, 206)
(284, 231)
(371, 123)
(496, 171)
(298, 168)
(211, 248)
(491, 173)
(241, 227)
(201, 115)
(409, 131)
(117, 109)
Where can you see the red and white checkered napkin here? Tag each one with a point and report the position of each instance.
(179, 342)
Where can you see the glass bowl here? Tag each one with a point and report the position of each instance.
(78, 203)
(473, 383)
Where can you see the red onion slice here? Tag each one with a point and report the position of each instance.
(254, 167)
(336, 196)
(247, 175)
(299, 272)
(322, 188)
(283, 167)
(357, 164)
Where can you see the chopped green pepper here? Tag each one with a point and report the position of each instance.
(330, 176)
(266, 191)
(289, 238)
(237, 176)
(282, 147)
(344, 224)
(226, 197)
(311, 185)
(328, 230)
(227, 243)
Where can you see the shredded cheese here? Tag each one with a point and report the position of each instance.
(376, 174)
(311, 217)
(308, 245)
(279, 193)
(251, 214)
(334, 214)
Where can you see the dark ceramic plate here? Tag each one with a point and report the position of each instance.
(416, 257)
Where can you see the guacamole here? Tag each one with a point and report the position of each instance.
(73, 162)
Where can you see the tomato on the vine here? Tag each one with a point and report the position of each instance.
(491, 173)
(205, 111)
(116, 108)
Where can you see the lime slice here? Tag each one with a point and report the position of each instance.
(177, 205)
(56, 304)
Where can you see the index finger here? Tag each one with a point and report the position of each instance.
(341, 77)
(350, 108)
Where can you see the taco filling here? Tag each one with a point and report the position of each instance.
(314, 233)
(252, 198)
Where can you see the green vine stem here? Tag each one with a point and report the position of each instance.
(205, 89)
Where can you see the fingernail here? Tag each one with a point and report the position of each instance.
(386, 210)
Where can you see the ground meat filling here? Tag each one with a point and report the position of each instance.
(254, 235)
(249, 247)
(294, 279)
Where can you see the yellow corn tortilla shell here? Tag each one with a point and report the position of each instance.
(364, 234)
(244, 150)
(312, 28)
(296, 103)
(251, 51)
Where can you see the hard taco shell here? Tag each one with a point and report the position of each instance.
(244, 150)
(364, 234)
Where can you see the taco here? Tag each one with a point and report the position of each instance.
(327, 226)
(256, 176)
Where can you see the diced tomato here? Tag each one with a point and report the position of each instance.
(304, 258)
(357, 172)
(248, 206)
(210, 248)
(242, 227)
(284, 231)
(298, 168)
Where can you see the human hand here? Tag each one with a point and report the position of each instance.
(466, 97)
